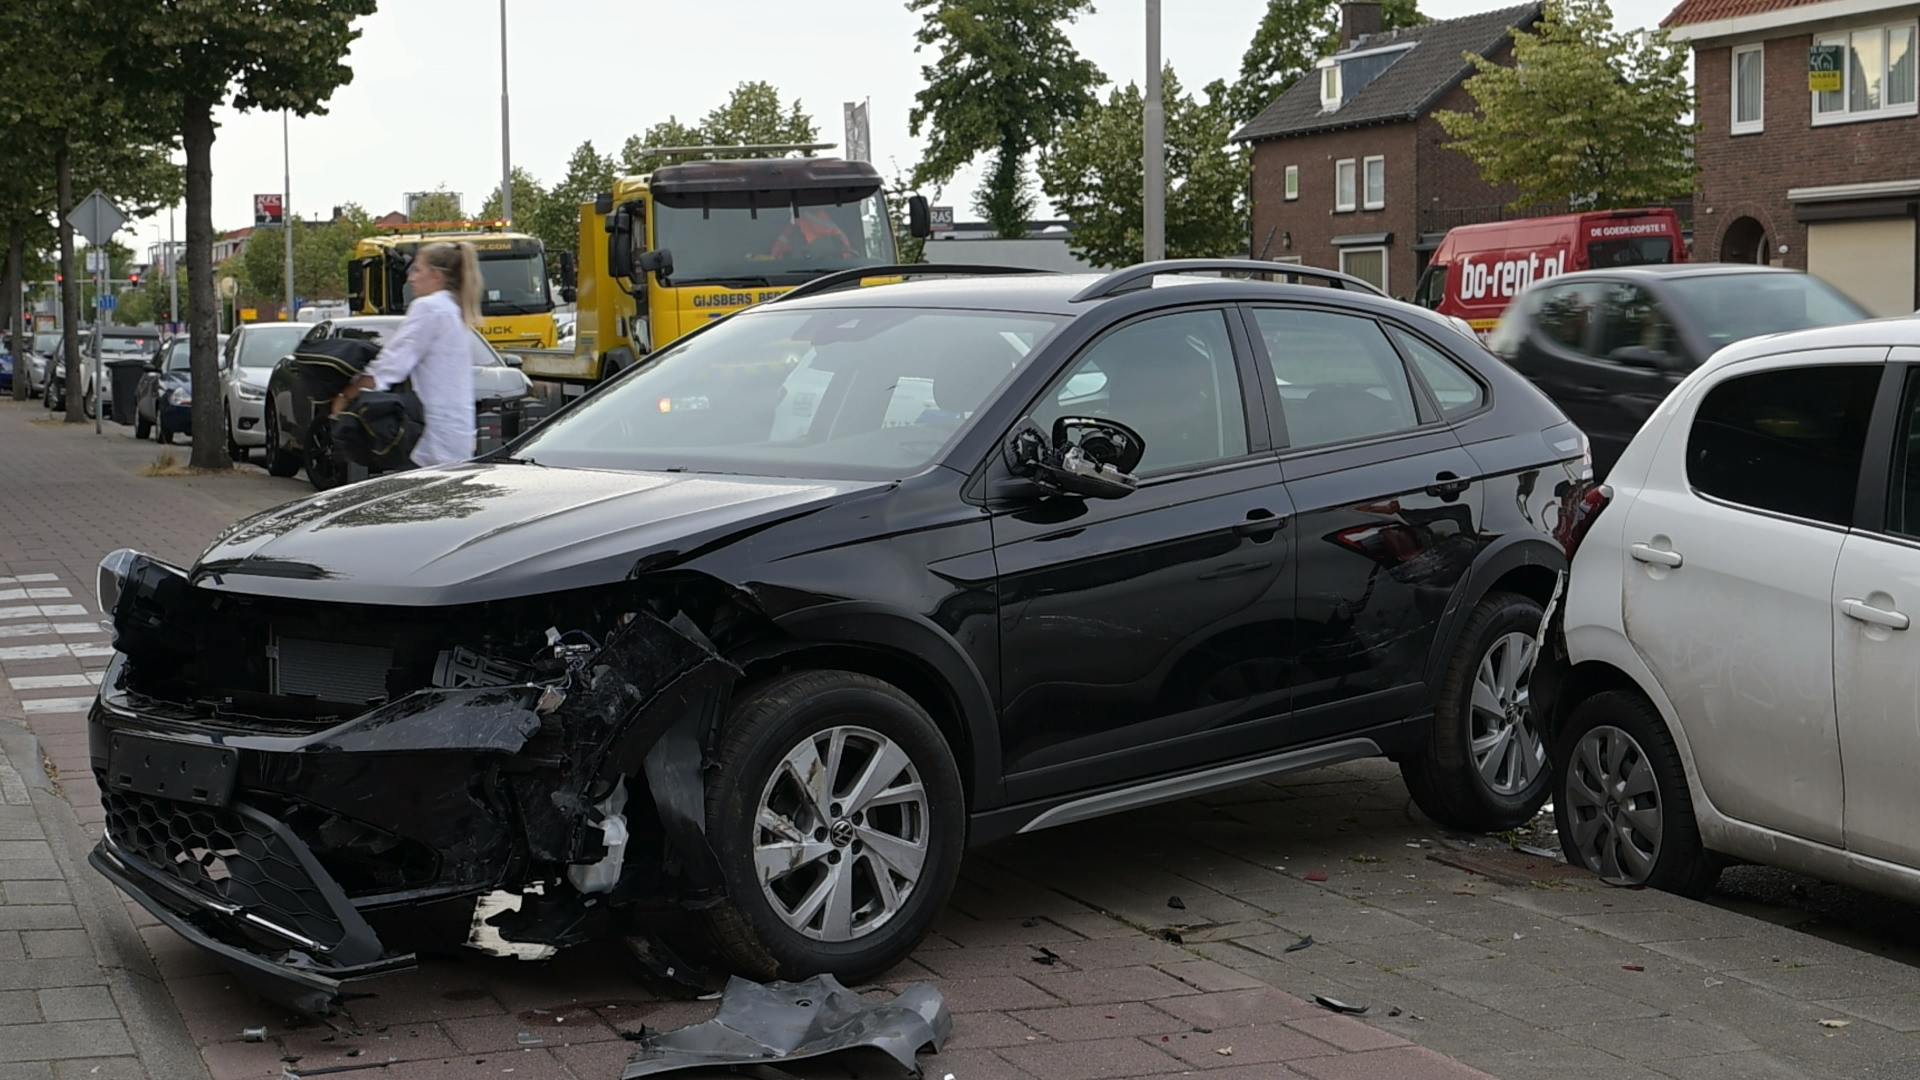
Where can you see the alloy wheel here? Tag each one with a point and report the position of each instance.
(1508, 752)
(841, 834)
(1613, 804)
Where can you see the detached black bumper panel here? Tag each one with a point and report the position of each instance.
(239, 884)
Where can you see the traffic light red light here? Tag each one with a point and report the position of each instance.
(59, 279)
(133, 277)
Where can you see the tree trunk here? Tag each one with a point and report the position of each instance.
(209, 416)
(22, 341)
(69, 292)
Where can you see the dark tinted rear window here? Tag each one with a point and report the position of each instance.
(1787, 441)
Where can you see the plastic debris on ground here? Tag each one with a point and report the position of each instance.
(1326, 1002)
(1303, 943)
(1176, 903)
(772, 1023)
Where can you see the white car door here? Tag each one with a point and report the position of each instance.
(1876, 648)
(1727, 590)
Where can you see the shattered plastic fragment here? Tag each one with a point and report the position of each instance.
(1326, 1002)
(780, 1021)
(1632, 967)
(1835, 1023)
(254, 1034)
(528, 1038)
(1047, 956)
(1316, 875)
(1303, 943)
(1176, 903)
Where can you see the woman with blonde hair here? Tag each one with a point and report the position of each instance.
(434, 348)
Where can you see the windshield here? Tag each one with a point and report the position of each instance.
(1638, 251)
(515, 284)
(44, 343)
(180, 358)
(851, 393)
(126, 346)
(1733, 307)
(263, 346)
(772, 246)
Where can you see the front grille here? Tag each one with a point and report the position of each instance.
(226, 856)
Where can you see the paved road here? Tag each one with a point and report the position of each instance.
(1156, 943)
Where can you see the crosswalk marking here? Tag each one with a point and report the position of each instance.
(28, 579)
(83, 651)
(55, 682)
(39, 706)
(35, 594)
(53, 652)
(42, 611)
(63, 629)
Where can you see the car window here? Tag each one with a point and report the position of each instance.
(1565, 312)
(263, 346)
(1458, 392)
(1788, 441)
(1733, 307)
(483, 354)
(1630, 318)
(1903, 507)
(1171, 378)
(1338, 376)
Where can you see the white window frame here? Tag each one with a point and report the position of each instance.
(1366, 190)
(1292, 189)
(1352, 194)
(1844, 114)
(1758, 123)
(1384, 262)
(1330, 86)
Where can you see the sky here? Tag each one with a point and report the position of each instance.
(423, 109)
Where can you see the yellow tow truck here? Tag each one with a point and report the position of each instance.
(516, 303)
(665, 253)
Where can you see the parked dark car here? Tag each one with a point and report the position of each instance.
(768, 629)
(115, 343)
(163, 404)
(53, 388)
(1608, 345)
(296, 441)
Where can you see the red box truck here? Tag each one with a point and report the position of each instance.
(1479, 269)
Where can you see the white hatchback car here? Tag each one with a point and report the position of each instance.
(1740, 678)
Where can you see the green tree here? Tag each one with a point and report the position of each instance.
(437, 205)
(263, 263)
(753, 116)
(200, 54)
(589, 173)
(1093, 175)
(1006, 78)
(1585, 115)
(1292, 36)
(634, 157)
(528, 196)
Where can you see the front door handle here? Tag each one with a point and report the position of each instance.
(1260, 525)
(1647, 553)
(1873, 616)
(1447, 485)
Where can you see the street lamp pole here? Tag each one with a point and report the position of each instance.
(1153, 200)
(506, 152)
(286, 206)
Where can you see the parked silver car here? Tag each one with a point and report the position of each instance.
(245, 363)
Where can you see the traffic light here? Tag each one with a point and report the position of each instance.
(133, 278)
(59, 279)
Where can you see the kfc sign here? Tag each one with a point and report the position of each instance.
(268, 210)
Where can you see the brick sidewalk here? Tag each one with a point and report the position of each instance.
(1063, 954)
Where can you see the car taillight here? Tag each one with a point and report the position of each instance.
(1579, 518)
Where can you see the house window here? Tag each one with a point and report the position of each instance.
(1376, 176)
(1293, 182)
(1330, 87)
(1367, 264)
(1749, 82)
(1343, 181)
(1878, 76)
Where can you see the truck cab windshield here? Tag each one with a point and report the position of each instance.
(515, 284)
(772, 245)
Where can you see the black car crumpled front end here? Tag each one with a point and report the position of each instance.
(315, 791)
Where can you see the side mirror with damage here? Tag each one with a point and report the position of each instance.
(1084, 456)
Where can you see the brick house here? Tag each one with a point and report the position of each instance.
(1825, 182)
(1350, 169)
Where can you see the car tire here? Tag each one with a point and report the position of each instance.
(323, 465)
(141, 427)
(1484, 766)
(86, 406)
(767, 931)
(235, 452)
(1621, 801)
(279, 462)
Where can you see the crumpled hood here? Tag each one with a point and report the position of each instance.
(478, 532)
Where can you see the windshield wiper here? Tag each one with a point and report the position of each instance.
(733, 282)
(513, 309)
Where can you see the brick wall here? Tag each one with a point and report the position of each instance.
(1449, 180)
(1749, 175)
(1311, 218)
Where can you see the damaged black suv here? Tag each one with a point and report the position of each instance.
(771, 627)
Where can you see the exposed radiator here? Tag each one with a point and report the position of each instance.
(330, 671)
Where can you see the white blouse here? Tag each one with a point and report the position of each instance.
(434, 347)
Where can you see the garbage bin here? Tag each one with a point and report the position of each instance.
(125, 385)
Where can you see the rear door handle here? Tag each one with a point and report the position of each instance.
(1261, 524)
(1447, 485)
(1647, 553)
(1873, 616)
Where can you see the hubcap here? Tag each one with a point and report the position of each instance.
(841, 834)
(1613, 806)
(1507, 751)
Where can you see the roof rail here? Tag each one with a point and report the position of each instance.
(1143, 274)
(842, 279)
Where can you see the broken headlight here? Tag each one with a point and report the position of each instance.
(112, 578)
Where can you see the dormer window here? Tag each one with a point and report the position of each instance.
(1330, 87)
